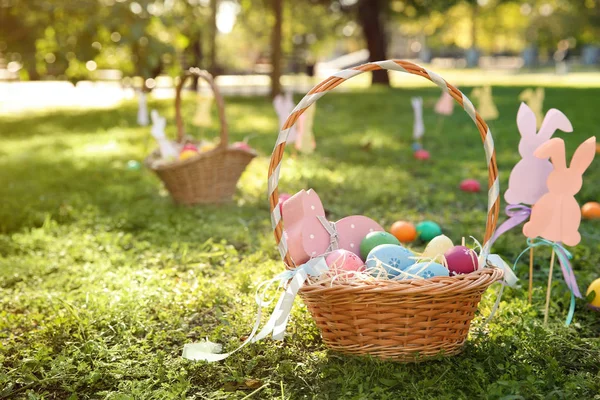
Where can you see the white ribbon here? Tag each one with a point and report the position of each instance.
(142, 116)
(418, 127)
(278, 320)
(509, 279)
(333, 233)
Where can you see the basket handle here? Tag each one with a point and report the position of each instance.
(220, 104)
(332, 82)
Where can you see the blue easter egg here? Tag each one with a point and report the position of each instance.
(425, 270)
(394, 258)
(417, 146)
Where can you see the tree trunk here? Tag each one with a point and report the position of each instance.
(195, 48)
(373, 26)
(212, 62)
(276, 48)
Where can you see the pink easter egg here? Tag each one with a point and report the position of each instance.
(344, 260)
(461, 260)
(422, 154)
(470, 185)
(242, 146)
(190, 147)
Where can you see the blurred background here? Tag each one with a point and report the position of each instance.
(71, 49)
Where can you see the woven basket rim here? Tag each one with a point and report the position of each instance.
(217, 151)
(440, 285)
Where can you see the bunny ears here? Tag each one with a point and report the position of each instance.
(553, 121)
(555, 149)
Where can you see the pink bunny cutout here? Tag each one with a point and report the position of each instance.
(308, 233)
(527, 182)
(556, 216)
(445, 104)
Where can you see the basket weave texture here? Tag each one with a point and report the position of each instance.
(407, 320)
(210, 177)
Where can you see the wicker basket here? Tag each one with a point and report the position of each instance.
(210, 177)
(406, 320)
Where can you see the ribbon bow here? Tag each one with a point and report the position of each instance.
(517, 214)
(332, 231)
(565, 265)
(292, 280)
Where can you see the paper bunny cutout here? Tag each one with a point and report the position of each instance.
(202, 117)
(556, 216)
(305, 138)
(166, 147)
(535, 101)
(142, 116)
(527, 182)
(486, 107)
(418, 127)
(307, 231)
(445, 104)
(284, 105)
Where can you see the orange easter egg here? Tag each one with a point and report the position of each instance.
(404, 231)
(591, 210)
(598, 148)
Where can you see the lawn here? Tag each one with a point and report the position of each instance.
(103, 279)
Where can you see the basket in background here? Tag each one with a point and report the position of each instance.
(211, 176)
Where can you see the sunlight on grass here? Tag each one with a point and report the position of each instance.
(104, 278)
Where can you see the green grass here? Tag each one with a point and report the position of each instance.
(103, 279)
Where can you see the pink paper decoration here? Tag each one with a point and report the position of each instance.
(284, 105)
(307, 231)
(527, 182)
(556, 216)
(445, 104)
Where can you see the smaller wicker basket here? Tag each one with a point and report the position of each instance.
(210, 177)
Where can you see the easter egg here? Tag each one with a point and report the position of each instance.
(422, 154)
(344, 260)
(470, 185)
(594, 287)
(427, 230)
(404, 231)
(241, 146)
(392, 257)
(598, 148)
(417, 146)
(461, 260)
(374, 239)
(133, 165)
(187, 154)
(437, 247)
(191, 147)
(591, 210)
(424, 270)
(207, 147)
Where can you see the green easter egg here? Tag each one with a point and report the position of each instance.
(133, 165)
(374, 239)
(427, 230)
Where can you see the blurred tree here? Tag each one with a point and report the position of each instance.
(374, 17)
(214, 8)
(276, 38)
(372, 20)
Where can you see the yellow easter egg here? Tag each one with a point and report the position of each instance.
(207, 147)
(437, 247)
(595, 287)
(187, 154)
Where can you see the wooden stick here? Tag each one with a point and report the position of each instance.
(549, 288)
(530, 273)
